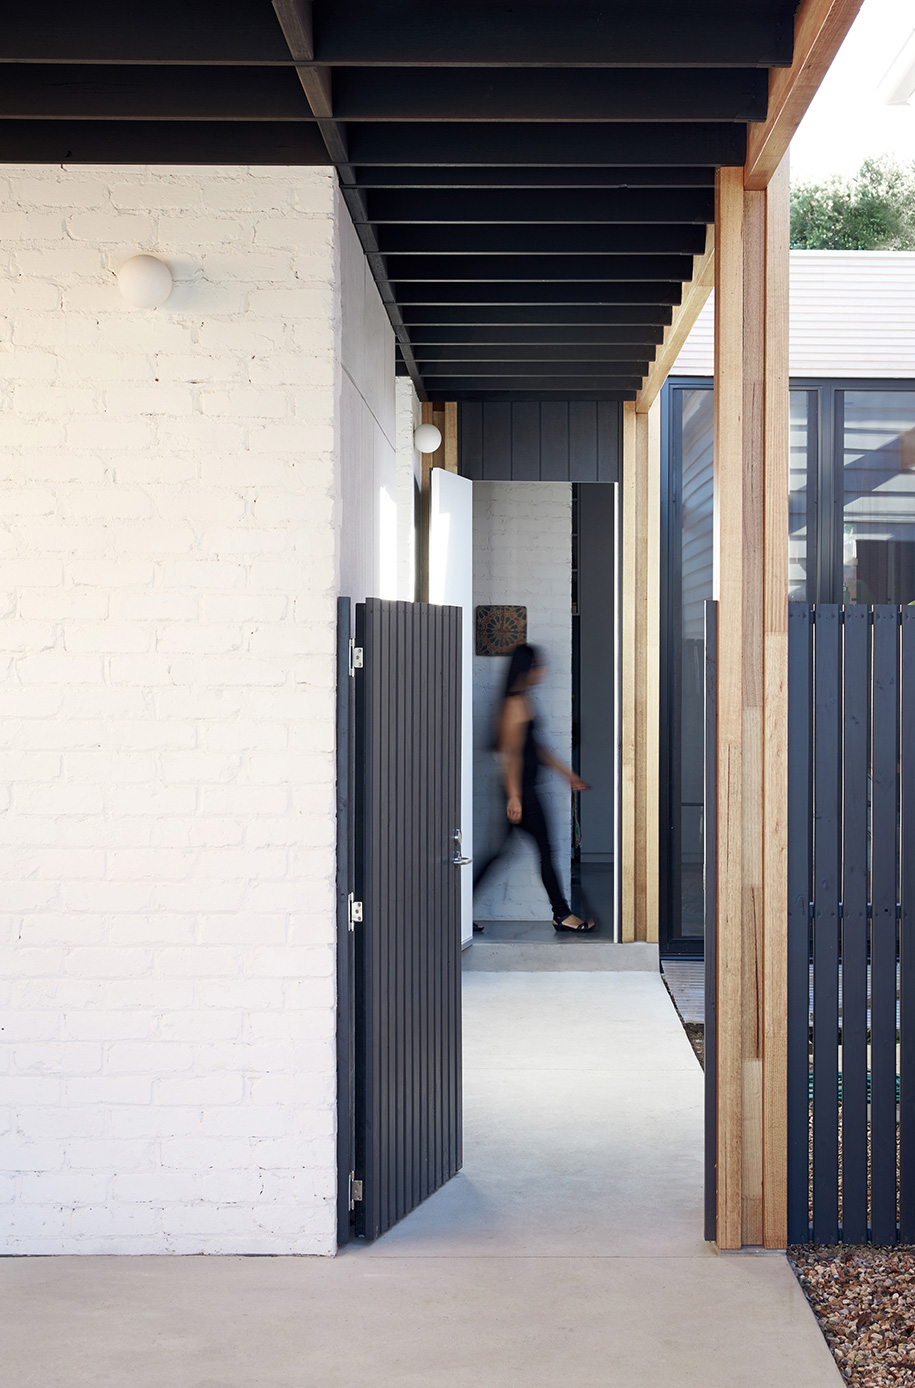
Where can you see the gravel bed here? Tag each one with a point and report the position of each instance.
(862, 1297)
(864, 1300)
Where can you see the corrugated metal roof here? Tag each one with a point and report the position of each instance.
(852, 314)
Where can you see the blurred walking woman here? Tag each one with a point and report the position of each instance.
(522, 757)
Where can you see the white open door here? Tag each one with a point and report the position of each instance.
(451, 583)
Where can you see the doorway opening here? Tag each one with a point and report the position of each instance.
(547, 553)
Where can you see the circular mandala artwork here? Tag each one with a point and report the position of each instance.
(500, 629)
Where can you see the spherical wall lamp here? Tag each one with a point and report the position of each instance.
(145, 281)
(427, 438)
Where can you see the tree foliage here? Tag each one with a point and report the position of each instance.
(873, 211)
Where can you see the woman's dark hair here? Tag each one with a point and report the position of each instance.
(524, 659)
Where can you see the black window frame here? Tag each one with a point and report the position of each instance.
(825, 529)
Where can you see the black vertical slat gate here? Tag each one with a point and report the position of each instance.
(851, 911)
(408, 944)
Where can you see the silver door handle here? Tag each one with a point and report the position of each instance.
(459, 860)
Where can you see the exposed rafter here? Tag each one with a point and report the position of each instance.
(531, 184)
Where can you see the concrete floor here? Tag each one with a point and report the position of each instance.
(568, 1251)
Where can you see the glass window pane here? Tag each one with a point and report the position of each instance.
(797, 497)
(879, 502)
(697, 518)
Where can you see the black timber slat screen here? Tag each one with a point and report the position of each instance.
(539, 441)
(408, 946)
(851, 965)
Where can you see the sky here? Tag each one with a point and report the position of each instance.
(848, 120)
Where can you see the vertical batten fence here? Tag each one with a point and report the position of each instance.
(851, 889)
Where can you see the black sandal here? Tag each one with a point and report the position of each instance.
(574, 929)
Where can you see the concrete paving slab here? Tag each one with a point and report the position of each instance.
(414, 1323)
(569, 1250)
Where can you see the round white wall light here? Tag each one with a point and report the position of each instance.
(428, 439)
(145, 281)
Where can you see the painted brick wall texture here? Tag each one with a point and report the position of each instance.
(522, 553)
(169, 510)
(369, 535)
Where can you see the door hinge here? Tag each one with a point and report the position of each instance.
(355, 1190)
(355, 657)
(355, 912)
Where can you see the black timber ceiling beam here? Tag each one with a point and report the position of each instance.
(434, 357)
(453, 269)
(295, 21)
(573, 370)
(161, 142)
(655, 176)
(62, 91)
(470, 293)
(407, 33)
(107, 31)
(560, 394)
(449, 386)
(524, 240)
(444, 317)
(597, 205)
(500, 33)
(444, 143)
(550, 94)
(482, 341)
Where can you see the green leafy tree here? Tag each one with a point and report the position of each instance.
(873, 211)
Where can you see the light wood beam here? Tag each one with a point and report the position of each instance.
(751, 567)
(695, 296)
(729, 590)
(775, 694)
(819, 28)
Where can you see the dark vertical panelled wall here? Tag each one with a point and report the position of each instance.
(851, 968)
(540, 441)
(407, 947)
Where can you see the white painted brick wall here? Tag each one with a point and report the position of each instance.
(522, 553)
(169, 510)
(369, 540)
(409, 485)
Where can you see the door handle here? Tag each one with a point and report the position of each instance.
(459, 860)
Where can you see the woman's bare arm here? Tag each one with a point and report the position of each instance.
(513, 722)
(549, 758)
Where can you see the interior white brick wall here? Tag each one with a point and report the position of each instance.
(522, 553)
(170, 504)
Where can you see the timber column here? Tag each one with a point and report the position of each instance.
(751, 585)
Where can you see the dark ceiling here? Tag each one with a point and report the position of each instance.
(530, 180)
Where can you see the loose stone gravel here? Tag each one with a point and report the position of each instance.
(862, 1297)
(864, 1300)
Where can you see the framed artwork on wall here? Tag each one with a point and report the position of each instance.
(499, 629)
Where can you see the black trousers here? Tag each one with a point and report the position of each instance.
(533, 822)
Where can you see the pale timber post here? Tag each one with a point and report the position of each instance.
(640, 687)
(751, 575)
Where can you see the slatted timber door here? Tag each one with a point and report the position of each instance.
(408, 942)
(851, 966)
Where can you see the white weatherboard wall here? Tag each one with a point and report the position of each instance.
(852, 313)
(522, 543)
(170, 511)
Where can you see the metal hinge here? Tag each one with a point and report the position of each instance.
(355, 657)
(355, 1190)
(355, 912)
